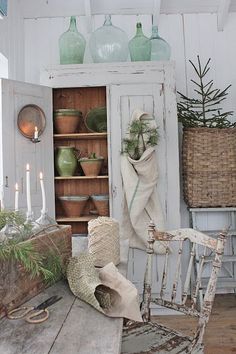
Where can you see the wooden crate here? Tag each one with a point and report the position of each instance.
(16, 285)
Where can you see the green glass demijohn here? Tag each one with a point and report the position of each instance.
(66, 161)
(72, 45)
(140, 46)
(160, 49)
(108, 43)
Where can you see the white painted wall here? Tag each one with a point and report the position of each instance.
(12, 40)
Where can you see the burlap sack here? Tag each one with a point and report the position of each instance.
(104, 241)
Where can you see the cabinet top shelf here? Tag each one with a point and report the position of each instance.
(80, 136)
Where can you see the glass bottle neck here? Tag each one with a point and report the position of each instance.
(139, 30)
(73, 24)
(107, 21)
(155, 32)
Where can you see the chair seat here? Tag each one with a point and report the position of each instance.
(151, 338)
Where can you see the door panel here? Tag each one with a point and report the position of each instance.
(124, 99)
(17, 151)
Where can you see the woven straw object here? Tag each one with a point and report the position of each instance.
(209, 167)
(104, 241)
(84, 282)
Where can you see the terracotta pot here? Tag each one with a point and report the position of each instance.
(66, 161)
(101, 202)
(73, 205)
(91, 167)
(66, 121)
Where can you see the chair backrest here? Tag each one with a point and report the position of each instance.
(178, 295)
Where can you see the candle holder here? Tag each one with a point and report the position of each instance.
(45, 219)
(34, 226)
(35, 140)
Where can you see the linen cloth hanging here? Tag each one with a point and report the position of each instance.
(141, 202)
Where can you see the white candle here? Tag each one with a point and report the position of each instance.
(43, 193)
(36, 133)
(28, 197)
(16, 197)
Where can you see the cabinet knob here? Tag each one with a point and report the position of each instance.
(6, 182)
(114, 191)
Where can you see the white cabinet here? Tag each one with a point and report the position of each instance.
(149, 86)
(16, 150)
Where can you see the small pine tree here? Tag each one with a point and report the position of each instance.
(204, 111)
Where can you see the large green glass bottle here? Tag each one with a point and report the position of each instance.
(108, 43)
(140, 46)
(160, 48)
(72, 45)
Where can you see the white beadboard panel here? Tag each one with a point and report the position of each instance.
(170, 28)
(12, 40)
(202, 38)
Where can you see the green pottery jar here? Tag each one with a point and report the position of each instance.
(66, 161)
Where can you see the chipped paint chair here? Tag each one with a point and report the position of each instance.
(148, 337)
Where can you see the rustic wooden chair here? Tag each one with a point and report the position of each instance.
(148, 337)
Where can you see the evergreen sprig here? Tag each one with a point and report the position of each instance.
(141, 136)
(48, 265)
(25, 254)
(204, 111)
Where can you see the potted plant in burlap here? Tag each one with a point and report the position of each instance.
(209, 144)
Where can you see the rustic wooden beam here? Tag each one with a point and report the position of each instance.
(222, 14)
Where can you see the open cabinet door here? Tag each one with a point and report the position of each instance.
(16, 150)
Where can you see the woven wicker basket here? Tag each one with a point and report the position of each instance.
(104, 241)
(209, 167)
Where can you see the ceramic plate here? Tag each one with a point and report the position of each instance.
(96, 120)
(29, 117)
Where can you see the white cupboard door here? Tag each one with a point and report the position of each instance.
(151, 98)
(155, 99)
(16, 150)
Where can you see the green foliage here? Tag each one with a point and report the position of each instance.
(204, 111)
(27, 256)
(141, 136)
(47, 265)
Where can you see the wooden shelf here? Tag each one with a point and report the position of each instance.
(83, 218)
(80, 177)
(81, 136)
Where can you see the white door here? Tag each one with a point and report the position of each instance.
(16, 150)
(151, 98)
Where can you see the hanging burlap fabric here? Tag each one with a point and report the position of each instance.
(104, 241)
(106, 290)
(141, 200)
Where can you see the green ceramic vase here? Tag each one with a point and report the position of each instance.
(140, 46)
(66, 161)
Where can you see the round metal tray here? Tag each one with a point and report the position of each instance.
(29, 117)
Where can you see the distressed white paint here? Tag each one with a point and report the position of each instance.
(222, 14)
(17, 151)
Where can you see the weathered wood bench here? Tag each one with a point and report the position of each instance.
(73, 327)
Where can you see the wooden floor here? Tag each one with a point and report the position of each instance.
(220, 335)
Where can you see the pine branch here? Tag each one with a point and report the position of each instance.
(202, 111)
